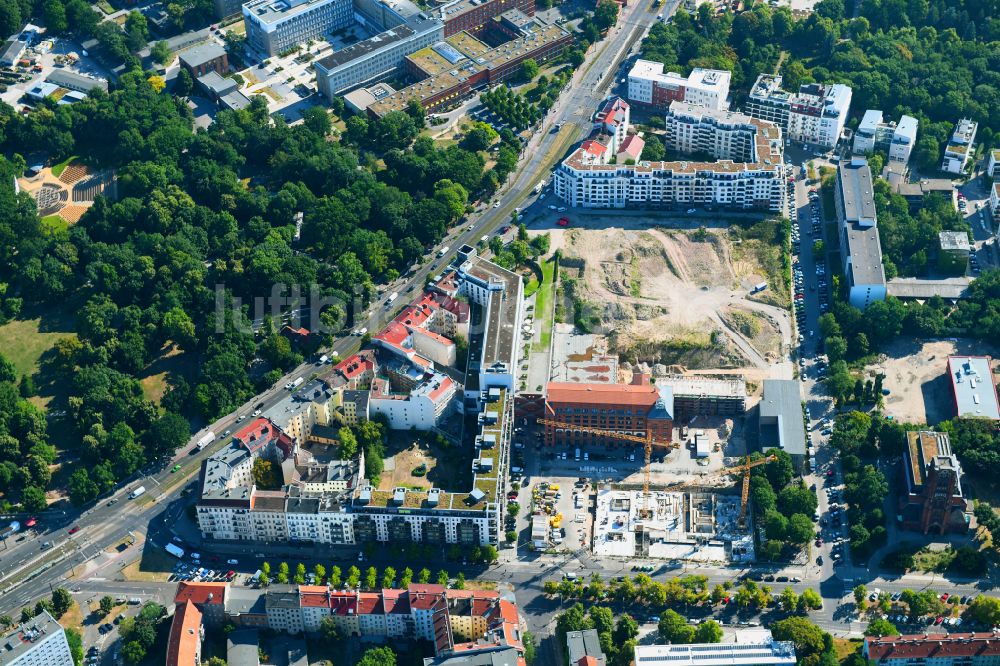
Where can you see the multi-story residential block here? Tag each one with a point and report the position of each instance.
(587, 179)
(973, 387)
(757, 648)
(961, 146)
(993, 165)
(978, 649)
(584, 648)
(376, 58)
(932, 501)
(896, 139)
(204, 58)
(995, 204)
(814, 116)
(41, 641)
(859, 240)
(456, 622)
(634, 409)
(275, 26)
(706, 396)
(649, 85)
(327, 500)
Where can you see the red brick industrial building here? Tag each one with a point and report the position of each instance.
(932, 500)
(631, 409)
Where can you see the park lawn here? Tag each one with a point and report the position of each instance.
(544, 302)
(23, 342)
(54, 224)
(845, 647)
(171, 361)
(57, 169)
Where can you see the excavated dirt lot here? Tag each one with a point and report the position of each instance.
(675, 297)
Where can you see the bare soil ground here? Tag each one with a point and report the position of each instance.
(678, 289)
(399, 472)
(916, 376)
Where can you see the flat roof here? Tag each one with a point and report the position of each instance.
(917, 288)
(201, 54)
(501, 312)
(271, 11)
(954, 240)
(973, 386)
(781, 408)
(856, 192)
(41, 628)
(766, 653)
(379, 42)
(925, 448)
(68, 79)
(865, 250)
(705, 386)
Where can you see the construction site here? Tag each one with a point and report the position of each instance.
(698, 526)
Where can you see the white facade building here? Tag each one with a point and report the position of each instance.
(648, 84)
(586, 179)
(39, 642)
(275, 26)
(814, 116)
(896, 139)
(960, 147)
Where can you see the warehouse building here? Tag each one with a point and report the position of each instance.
(781, 423)
(859, 239)
(706, 396)
(973, 389)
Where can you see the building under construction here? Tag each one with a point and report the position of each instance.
(701, 526)
(705, 396)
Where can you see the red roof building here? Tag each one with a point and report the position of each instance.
(621, 408)
(973, 649)
(184, 644)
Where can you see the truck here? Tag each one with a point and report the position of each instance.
(539, 187)
(174, 550)
(759, 287)
(295, 384)
(323, 359)
(392, 299)
(443, 251)
(206, 439)
(137, 492)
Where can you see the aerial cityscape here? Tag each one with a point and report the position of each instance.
(499, 332)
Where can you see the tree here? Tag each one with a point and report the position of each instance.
(800, 529)
(335, 581)
(424, 576)
(283, 573)
(985, 610)
(33, 499)
(708, 631)
(407, 578)
(378, 656)
(133, 652)
(605, 14)
(388, 577)
(529, 69)
(320, 572)
(371, 578)
(55, 16)
(266, 475)
(348, 443)
(460, 581)
(442, 577)
(107, 604)
(328, 630)
(789, 599)
(62, 601)
(881, 627)
(807, 637)
(810, 599)
(167, 434)
(353, 577)
(183, 84)
(160, 52)
(136, 31)
(674, 629)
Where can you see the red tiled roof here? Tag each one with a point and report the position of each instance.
(626, 395)
(587, 660)
(425, 597)
(369, 602)
(314, 596)
(185, 636)
(199, 593)
(937, 646)
(343, 603)
(355, 365)
(632, 146)
(395, 601)
(593, 147)
(441, 389)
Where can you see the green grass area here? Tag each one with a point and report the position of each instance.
(544, 303)
(106, 7)
(54, 225)
(59, 168)
(828, 179)
(23, 341)
(531, 286)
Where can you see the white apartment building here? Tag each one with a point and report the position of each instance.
(818, 113)
(859, 239)
(814, 116)
(613, 120)
(586, 179)
(275, 26)
(993, 164)
(897, 139)
(39, 642)
(648, 84)
(725, 135)
(961, 146)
